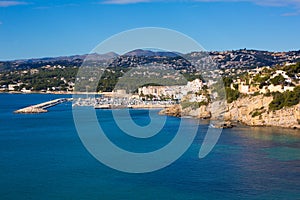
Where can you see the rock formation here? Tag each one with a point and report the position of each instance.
(250, 110)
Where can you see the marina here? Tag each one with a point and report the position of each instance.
(120, 102)
(97, 103)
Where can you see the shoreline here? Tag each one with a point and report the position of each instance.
(227, 123)
(56, 93)
(237, 123)
(241, 111)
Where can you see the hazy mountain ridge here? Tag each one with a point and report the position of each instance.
(148, 53)
(226, 59)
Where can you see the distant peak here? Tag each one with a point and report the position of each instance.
(149, 53)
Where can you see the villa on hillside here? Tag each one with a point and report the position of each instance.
(252, 85)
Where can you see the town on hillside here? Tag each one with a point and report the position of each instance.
(244, 72)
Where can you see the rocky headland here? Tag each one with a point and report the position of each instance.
(250, 110)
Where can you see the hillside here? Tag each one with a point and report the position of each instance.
(226, 59)
(58, 73)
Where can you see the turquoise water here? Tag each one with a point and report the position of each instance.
(42, 157)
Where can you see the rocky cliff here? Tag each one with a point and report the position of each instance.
(252, 111)
(177, 111)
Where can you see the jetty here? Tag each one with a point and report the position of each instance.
(42, 107)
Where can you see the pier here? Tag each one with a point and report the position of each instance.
(42, 107)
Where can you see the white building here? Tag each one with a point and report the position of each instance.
(244, 89)
(194, 86)
(176, 92)
(11, 87)
(196, 98)
(283, 73)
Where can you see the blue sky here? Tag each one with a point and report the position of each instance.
(45, 28)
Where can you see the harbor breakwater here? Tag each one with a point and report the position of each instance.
(42, 107)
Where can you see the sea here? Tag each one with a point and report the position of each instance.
(42, 157)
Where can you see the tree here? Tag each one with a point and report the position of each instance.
(277, 80)
(227, 81)
(285, 99)
(231, 95)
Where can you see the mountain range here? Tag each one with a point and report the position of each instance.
(242, 58)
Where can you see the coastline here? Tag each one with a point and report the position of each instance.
(58, 92)
(43, 106)
(250, 111)
(238, 112)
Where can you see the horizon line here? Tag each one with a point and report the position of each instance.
(83, 54)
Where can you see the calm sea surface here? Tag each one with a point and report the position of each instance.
(42, 157)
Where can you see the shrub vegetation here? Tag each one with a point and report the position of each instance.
(285, 99)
